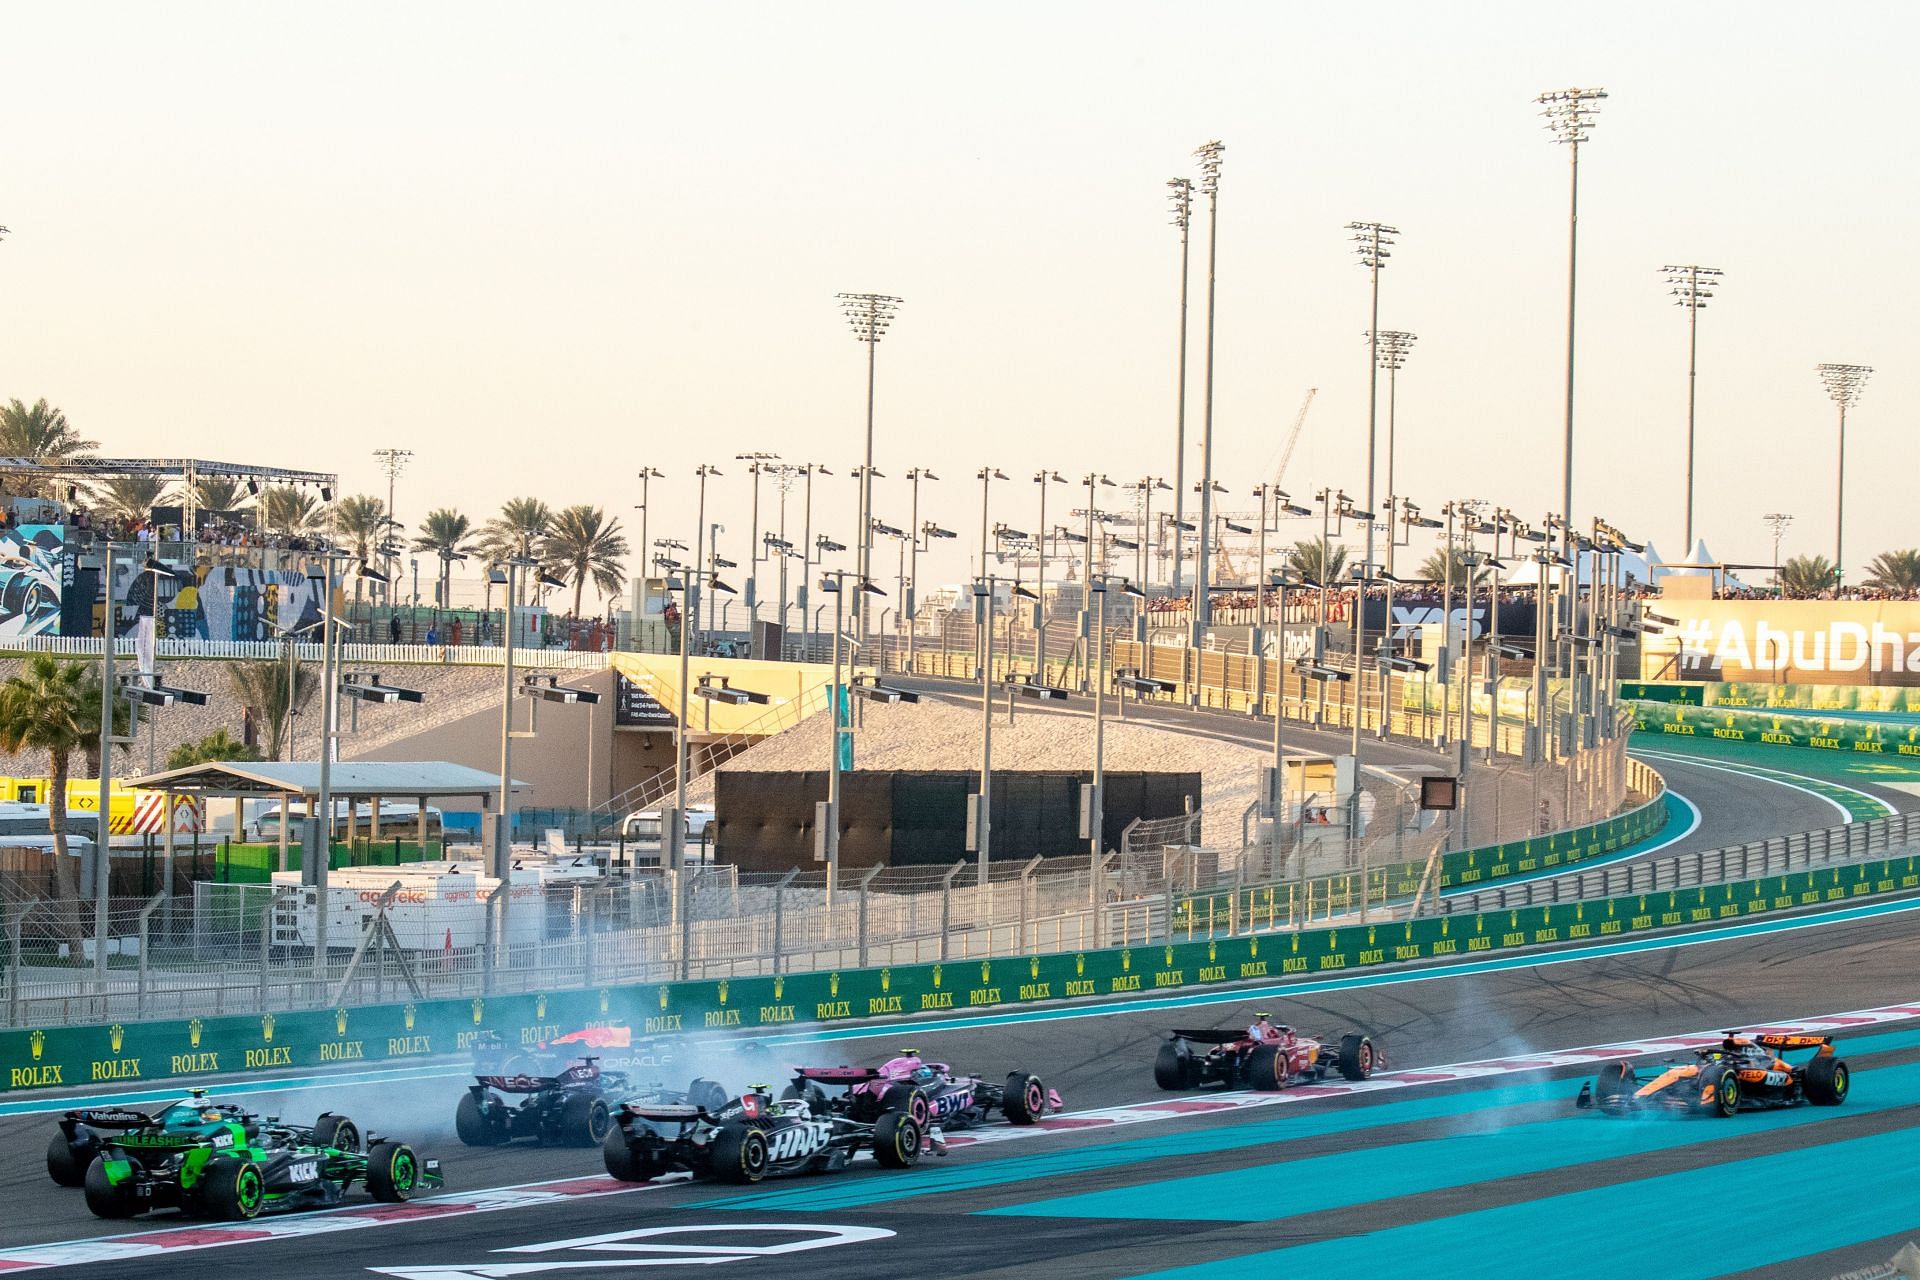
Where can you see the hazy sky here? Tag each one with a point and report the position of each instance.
(541, 245)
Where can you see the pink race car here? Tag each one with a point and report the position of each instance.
(930, 1092)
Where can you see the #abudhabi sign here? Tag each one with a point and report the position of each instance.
(1789, 641)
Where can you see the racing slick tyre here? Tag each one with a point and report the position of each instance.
(1266, 1067)
(626, 1162)
(1172, 1068)
(812, 1094)
(738, 1154)
(331, 1130)
(711, 1095)
(65, 1166)
(231, 1189)
(1827, 1083)
(907, 1098)
(392, 1172)
(109, 1199)
(472, 1125)
(1613, 1088)
(1025, 1099)
(896, 1140)
(585, 1120)
(1721, 1095)
(1356, 1057)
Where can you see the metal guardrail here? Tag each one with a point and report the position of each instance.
(1832, 846)
(452, 655)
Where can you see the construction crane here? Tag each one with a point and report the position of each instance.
(1293, 437)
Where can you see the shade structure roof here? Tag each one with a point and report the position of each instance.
(362, 779)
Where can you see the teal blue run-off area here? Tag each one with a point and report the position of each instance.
(1300, 1124)
(1289, 1188)
(1680, 1226)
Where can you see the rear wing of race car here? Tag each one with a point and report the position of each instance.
(111, 1118)
(1210, 1035)
(1779, 1042)
(837, 1075)
(519, 1084)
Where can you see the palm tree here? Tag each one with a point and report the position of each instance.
(261, 687)
(218, 493)
(218, 745)
(1895, 571)
(582, 543)
(522, 522)
(1804, 576)
(90, 715)
(359, 519)
(447, 533)
(1308, 560)
(285, 509)
(41, 709)
(1434, 568)
(40, 432)
(131, 498)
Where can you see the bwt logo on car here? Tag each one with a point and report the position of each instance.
(792, 1144)
(949, 1103)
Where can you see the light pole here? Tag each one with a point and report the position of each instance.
(1096, 801)
(869, 315)
(1691, 287)
(756, 464)
(921, 533)
(690, 604)
(1373, 242)
(674, 826)
(393, 462)
(811, 554)
(1394, 347)
(1043, 478)
(1778, 522)
(1180, 191)
(1845, 383)
(986, 476)
(1570, 115)
(1209, 156)
(1145, 486)
(648, 474)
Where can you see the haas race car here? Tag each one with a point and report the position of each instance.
(85, 1134)
(750, 1138)
(1264, 1056)
(930, 1092)
(1741, 1073)
(234, 1166)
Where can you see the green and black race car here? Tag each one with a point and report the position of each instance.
(85, 1134)
(239, 1168)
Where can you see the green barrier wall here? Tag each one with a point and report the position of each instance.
(1778, 727)
(392, 1034)
(1557, 849)
(1809, 698)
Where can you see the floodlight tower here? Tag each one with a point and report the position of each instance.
(1373, 242)
(1691, 286)
(1844, 383)
(1208, 154)
(1180, 192)
(1570, 115)
(393, 462)
(1392, 349)
(869, 315)
(1778, 522)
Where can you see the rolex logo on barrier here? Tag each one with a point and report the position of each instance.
(663, 997)
(1169, 957)
(1080, 965)
(606, 999)
(779, 985)
(939, 971)
(1033, 967)
(193, 1031)
(266, 1028)
(339, 1022)
(116, 1036)
(833, 985)
(1212, 952)
(886, 979)
(540, 1007)
(723, 991)
(37, 1044)
(407, 1015)
(479, 1010)
(1253, 947)
(1126, 960)
(986, 973)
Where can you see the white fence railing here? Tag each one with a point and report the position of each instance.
(433, 654)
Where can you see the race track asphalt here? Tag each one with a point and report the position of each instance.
(1485, 1176)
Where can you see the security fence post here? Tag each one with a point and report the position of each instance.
(780, 913)
(864, 882)
(140, 996)
(266, 949)
(946, 908)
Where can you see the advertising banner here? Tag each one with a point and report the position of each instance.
(1779, 727)
(1822, 642)
(239, 1045)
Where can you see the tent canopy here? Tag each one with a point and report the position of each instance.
(356, 780)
